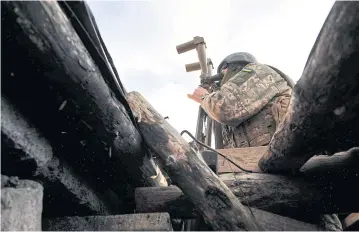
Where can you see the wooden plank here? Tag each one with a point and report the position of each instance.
(246, 157)
(218, 205)
(126, 222)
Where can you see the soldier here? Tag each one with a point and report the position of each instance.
(252, 100)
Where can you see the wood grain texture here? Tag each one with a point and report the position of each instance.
(343, 164)
(74, 92)
(247, 158)
(21, 206)
(292, 197)
(325, 101)
(218, 205)
(268, 221)
(124, 222)
(25, 152)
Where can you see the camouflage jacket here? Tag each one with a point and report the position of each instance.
(256, 90)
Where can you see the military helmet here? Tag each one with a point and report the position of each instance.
(239, 57)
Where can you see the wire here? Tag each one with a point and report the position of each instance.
(211, 149)
(243, 169)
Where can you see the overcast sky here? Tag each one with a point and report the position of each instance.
(141, 37)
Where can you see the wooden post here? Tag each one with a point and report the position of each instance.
(218, 205)
(325, 99)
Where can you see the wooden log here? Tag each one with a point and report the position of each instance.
(124, 222)
(267, 221)
(54, 70)
(248, 158)
(274, 222)
(325, 101)
(292, 197)
(27, 154)
(342, 163)
(165, 199)
(217, 204)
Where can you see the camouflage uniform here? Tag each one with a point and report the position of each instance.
(249, 105)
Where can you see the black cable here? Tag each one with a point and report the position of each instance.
(211, 149)
(243, 169)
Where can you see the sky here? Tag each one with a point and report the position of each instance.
(142, 36)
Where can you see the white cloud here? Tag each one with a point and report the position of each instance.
(142, 36)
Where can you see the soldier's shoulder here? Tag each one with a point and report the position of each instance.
(260, 69)
(257, 67)
(249, 71)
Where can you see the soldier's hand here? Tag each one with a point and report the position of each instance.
(198, 94)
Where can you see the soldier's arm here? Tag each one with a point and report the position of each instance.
(244, 95)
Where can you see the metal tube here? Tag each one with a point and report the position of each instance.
(185, 47)
(218, 135)
(199, 128)
(209, 67)
(193, 67)
(197, 66)
(208, 139)
(201, 51)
